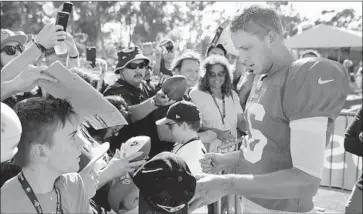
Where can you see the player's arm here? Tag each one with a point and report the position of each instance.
(311, 102)
(300, 181)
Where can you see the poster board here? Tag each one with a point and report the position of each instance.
(86, 100)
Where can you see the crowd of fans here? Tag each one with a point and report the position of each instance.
(48, 162)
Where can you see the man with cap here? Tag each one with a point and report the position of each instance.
(142, 101)
(166, 185)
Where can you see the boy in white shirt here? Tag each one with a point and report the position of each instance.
(184, 120)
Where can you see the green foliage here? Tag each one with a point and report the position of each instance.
(144, 21)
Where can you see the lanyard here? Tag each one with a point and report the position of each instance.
(189, 141)
(29, 192)
(223, 115)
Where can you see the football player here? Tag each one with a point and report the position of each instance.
(290, 113)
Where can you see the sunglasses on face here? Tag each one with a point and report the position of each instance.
(11, 50)
(220, 74)
(134, 66)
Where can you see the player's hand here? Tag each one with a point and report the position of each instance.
(162, 99)
(50, 34)
(209, 189)
(213, 163)
(30, 77)
(119, 166)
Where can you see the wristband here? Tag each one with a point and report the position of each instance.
(40, 47)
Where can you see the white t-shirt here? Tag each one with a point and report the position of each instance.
(211, 117)
(191, 153)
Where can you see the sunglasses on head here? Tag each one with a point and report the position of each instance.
(220, 74)
(11, 50)
(134, 66)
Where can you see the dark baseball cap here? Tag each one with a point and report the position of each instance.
(181, 111)
(166, 185)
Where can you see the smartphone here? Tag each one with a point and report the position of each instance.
(91, 55)
(62, 19)
(67, 7)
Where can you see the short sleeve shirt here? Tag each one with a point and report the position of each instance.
(73, 195)
(211, 116)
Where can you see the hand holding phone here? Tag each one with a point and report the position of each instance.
(62, 19)
(91, 55)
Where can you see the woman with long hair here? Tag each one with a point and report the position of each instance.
(218, 102)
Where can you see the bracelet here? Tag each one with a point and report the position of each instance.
(73, 57)
(40, 47)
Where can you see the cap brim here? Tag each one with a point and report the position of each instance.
(163, 121)
(144, 207)
(139, 56)
(17, 38)
(97, 153)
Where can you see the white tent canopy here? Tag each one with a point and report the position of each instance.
(324, 36)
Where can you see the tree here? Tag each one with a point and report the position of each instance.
(290, 18)
(346, 18)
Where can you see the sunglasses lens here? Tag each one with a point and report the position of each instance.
(142, 65)
(9, 50)
(20, 48)
(131, 66)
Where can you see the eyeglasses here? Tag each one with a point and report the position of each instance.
(11, 50)
(133, 66)
(220, 74)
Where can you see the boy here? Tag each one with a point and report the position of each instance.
(184, 120)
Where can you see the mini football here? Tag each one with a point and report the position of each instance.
(175, 87)
(136, 144)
